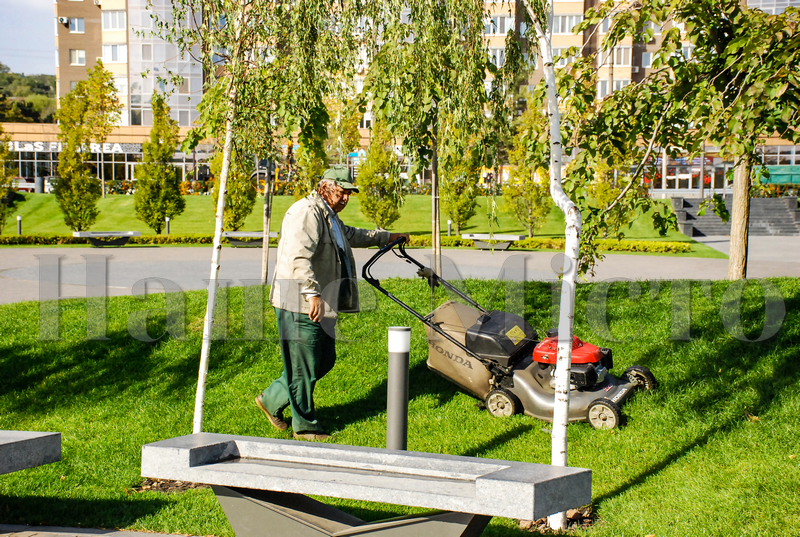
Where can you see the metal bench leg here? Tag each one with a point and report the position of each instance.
(255, 513)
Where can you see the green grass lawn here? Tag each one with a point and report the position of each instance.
(41, 215)
(714, 451)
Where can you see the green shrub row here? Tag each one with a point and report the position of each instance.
(54, 240)
(543, 243)
(535, 243)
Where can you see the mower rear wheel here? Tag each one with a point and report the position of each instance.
(501, 404)
(604, 414)
(642, 377)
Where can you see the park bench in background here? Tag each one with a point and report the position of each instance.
(107, 238)
(501, 242)
(261, 482)
(26, 449)
(236, 238)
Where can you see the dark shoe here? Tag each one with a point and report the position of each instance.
(276, 422)
(311, 436)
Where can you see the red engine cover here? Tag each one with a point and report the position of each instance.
(582, 352)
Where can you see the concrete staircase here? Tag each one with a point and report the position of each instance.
(768, 216)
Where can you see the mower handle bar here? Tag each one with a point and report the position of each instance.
(433, 280)
(423, 272)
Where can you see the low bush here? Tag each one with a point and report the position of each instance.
(57, 240)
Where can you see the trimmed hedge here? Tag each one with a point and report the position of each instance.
(535, 243)
(55, 240)
(542, 243)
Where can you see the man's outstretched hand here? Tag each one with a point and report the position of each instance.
(394, 236)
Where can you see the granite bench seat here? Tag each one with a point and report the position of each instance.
(276, 473)
(107, 238)
(20, 450)
(487, 241)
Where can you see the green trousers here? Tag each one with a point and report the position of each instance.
(309, 352)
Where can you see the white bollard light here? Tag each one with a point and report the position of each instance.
(397, 382)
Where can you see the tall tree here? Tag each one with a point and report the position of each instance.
(380, 189)
(736, 85)
(158, 193)
(270, 66)
(527, 194)
(343, 135)
(87, 114)
(7, 192)
(428, 62)
(242, 190)
(460, 174)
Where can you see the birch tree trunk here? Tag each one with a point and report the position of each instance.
(208, 322)
(740, 220)
(572, 230)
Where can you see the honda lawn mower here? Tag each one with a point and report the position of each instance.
(498, 358)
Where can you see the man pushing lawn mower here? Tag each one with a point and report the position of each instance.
(314, 280)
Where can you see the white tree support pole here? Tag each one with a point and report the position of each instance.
(436, 239)
(572, 231)
(267, 218)
(208, 323)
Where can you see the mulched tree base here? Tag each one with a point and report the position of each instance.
(166, 485)
(576, 519)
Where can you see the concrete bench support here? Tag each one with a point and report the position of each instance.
(107, 238)
(296, 515)
(502, 242)
(236, 238)
(260, 483)
(20, 450)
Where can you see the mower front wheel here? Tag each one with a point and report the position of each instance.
(501, 404)
(642, 377)
(604, 414)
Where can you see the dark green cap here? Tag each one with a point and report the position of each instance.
(340, 175)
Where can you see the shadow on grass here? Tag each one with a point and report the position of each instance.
(85, 513)
(422, 382)
(738, 377)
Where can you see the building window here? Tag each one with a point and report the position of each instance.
(121, 83)
(655, 27)
(498, 25)
(602, 88)
(365, 123)
(183, 118)
(620, 83)
(563, 61)
(115, 53)
(647, 60)
(72, 84)
(114, 20)
(75, 25)
(563, 24)
(688, 51)
(497, 56)
(77, 57)
(147, 53)
(136, 117)
(621, 57)
(605, 26)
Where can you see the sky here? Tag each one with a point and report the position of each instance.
(27, 36)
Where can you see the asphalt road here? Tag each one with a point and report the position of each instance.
(189, 268)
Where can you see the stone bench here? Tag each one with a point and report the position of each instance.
(107, 238)
(261, 482)
(20, 450)
(236, 238)
(501, 242)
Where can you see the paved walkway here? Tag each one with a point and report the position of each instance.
(189, 267)
(18, 530)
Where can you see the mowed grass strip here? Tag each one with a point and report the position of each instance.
(714, 451)
(41, 215)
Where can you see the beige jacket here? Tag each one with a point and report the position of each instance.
(308, 259)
